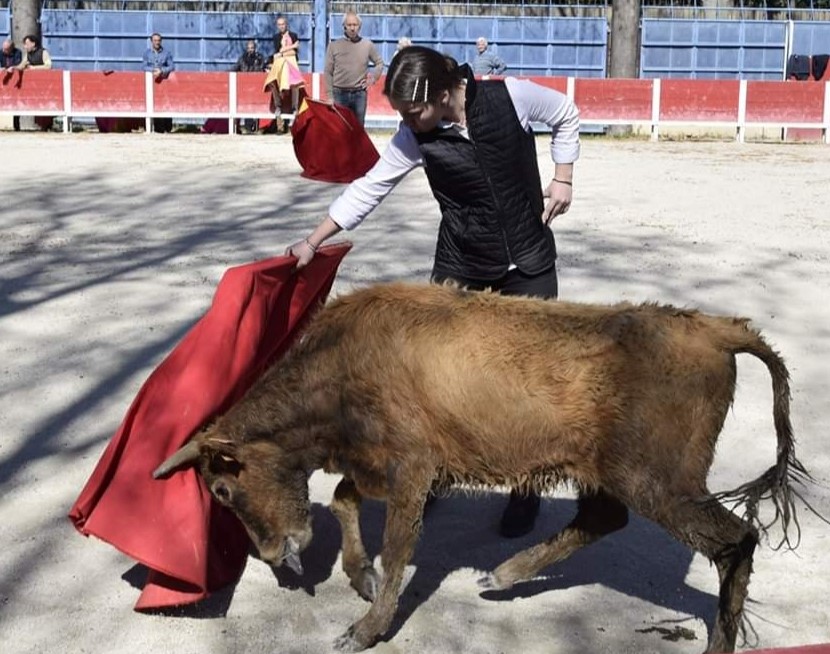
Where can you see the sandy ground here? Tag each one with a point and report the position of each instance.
(111, 247)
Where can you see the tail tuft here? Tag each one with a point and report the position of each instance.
(777, 483)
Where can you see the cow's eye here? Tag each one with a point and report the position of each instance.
(221, 491)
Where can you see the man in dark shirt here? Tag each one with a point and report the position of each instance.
(11, 58)
(250, 61)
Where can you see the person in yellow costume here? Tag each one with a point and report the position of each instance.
(284, 76)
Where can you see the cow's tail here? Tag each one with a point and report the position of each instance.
(780, 483)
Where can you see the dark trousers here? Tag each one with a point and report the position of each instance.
(522, 508)
(162, 125)
(544, 285)
(354, 99)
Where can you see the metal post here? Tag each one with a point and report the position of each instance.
(319, 34)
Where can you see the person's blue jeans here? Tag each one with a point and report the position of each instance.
(354, 99)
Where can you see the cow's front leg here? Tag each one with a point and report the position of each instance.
(356, 564)
(409, 483)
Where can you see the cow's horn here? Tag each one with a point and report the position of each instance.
(292, 555)
(188, 453)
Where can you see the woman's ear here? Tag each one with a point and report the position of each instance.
(444, 99)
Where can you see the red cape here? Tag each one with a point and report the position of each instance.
(192, 545)
(330, 144)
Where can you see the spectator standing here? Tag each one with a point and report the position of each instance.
(487, 62)
(11, 56)
(159, 61)
(403, 42)
(286, 42)
(285, 76)
(10, 59)
(35, 56)
(347, 67)
(483, 172)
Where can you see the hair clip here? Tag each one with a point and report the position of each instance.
(415, 90)
(426, 90)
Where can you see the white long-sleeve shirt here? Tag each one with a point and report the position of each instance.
(533, 104)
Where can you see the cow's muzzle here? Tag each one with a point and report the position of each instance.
(288, 554)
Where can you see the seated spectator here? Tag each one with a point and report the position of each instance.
(35, 56)
(159, 61)
(486, 62)
(10, 58)
(250, 61)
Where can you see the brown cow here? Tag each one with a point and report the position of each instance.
(399, 387)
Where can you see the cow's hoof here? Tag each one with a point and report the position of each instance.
(367, 583)
(491, 581)
(348, 643)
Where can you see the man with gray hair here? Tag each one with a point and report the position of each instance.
(347, 67)
(10, 59)
(486, 62)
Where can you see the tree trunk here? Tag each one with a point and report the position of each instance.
(711, 8)
(625, 46)
(25, 20)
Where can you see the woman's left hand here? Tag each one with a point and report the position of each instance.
(559, 195)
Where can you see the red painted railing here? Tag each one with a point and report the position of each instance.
(653, 103)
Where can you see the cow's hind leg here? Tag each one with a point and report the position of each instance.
(598, 514)
(729, 542)
(356, 564)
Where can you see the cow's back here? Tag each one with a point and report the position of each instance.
(506, 388)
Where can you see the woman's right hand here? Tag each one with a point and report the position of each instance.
(303, 250)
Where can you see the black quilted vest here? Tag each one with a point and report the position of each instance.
(35, 57)
(489, 191)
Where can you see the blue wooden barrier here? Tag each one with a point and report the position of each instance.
(99, 39)
(713, 49)
(529, 45)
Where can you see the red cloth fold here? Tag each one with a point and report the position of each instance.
(330, 144)
(192, 545)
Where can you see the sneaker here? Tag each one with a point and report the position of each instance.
(519, 515)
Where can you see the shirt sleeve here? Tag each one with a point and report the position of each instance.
(538, 104)
(376, 59)
(364, 194)
(498, 65)
(328, 71)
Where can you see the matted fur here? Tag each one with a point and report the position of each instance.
(401, 386)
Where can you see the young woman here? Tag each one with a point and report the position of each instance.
(473, 139)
